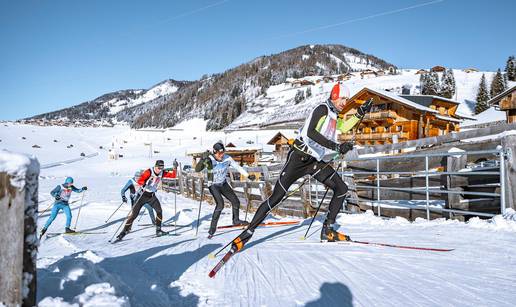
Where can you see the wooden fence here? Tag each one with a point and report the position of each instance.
(18, 221)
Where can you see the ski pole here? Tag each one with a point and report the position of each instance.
(317, 211)
(126, 217)
(199, 213)
(142, 214)
(51, 204)
(114, 212)
(116, 231)
(79, 213)
(175, 210)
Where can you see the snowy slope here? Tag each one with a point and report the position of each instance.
(275, 268)
(278, 104)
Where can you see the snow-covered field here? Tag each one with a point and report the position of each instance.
(275, 269)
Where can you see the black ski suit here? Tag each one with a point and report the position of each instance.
(217, 172)
(301, 162)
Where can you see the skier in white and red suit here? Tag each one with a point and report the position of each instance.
(149, 181)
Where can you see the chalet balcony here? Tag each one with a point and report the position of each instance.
(381, 136)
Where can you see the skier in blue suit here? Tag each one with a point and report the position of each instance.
(62, 194)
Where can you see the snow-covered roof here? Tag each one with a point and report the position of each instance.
(418, 98)
(496, 99)
(488, 116)
(447, 118)
(400, 99)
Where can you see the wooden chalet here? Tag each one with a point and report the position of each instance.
(438, 69)
(421, 72)
(368, 72)
(244, 155)
(281, 146)
(397, 118)
(506, 101)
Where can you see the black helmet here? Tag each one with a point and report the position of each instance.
(160, 163)
(218, 147)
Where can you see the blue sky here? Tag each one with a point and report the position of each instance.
(58, 53)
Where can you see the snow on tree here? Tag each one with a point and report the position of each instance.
(497, 85)
(510, 68)
(448, 84)
(430, 84)
(308, 92)
(482, 96)
(300, 96)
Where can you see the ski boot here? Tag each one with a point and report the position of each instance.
(238, 242)
(210, 236)
(68, 230)
(121, 235)
(328, 234)
(240, 223)
(160, 232)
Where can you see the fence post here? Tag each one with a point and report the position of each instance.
(509, 146)
(378, 185)
(18, 222)
(427, 191)
(502, 179)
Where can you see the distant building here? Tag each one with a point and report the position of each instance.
(438, 69)
(470, 70)
(281, 146)
(421, 72)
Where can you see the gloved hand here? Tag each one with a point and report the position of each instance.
(343, 148)
(205, 155)
(84, 188)
(252, 177)
(58, 197)
(365, 108)
(124, 199)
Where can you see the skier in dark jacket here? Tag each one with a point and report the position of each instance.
(149, 181)
(310, 156)
(61, 194)
(133, 196)
(217, 165)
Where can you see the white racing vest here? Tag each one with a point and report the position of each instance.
(152, 184)
(328, 128)
(65, 193)
(220, 168)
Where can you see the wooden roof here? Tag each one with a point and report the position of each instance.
(496, 99)
(356, 100)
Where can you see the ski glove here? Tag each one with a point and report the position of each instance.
(252, 177)
(124, 199)
(84, 188)
(365, 108)
(343, 148)
(58, 197)
(205, 155)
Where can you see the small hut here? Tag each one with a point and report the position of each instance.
(438, 68)
(281, 146)
(506, 101)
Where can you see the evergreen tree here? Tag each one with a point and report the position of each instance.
(510, 68)
(497, 85)
(447, 84)
(432, 82)
(300, 96)
(308, 92)
(423, 84)
(482, 96)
